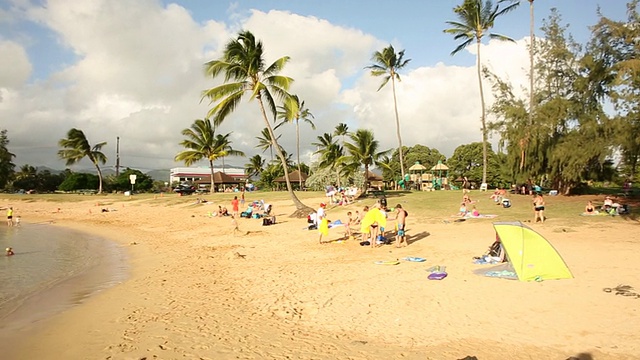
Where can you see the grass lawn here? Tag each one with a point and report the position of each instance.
(425, 206)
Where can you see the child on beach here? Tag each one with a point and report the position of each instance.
(321, 222)
(350, 221)
(463, 210)
(357, 218)
(401, 222)
(9, 251)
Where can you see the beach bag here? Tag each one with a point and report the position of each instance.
(506, 203)
(266, 221)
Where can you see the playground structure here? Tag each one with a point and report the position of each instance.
(419, 179)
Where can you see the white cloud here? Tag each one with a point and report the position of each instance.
(15, 67)
(139, 76)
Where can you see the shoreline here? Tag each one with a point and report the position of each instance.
(107, 266)
(198, 290)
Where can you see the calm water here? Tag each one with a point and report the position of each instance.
(52, 270)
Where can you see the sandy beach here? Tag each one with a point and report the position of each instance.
(198, 290)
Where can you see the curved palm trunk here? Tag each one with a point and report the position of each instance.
(213, 181)
(298, 152)
(302, 209)
(395, 105)
(99, 177)
(484, 125)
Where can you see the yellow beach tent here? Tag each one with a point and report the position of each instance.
(530, 254)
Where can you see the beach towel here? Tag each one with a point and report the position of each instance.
(324, 227)
(481, 216)
(414, 259)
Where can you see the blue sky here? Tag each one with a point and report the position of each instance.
(133, 69)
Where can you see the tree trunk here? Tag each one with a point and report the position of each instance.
(99, 177)
(531, 82)
(484, 125)
(395, 106)
(213, 181)
(302, 209)
(298, 152)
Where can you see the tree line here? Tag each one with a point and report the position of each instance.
(561, 136)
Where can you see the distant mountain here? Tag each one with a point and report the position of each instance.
(40, 169)
(159, 175)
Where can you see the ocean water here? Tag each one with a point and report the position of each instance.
(53, 269)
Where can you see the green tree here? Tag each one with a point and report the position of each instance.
(387, 63)
(202, 142)
(265, 142)
(364, 151)
(254, 166)
(475, 19)
(245, 70)
(79, 181)
(76, 147)
(331, 155)
(122, 182)
(6, 160)
(568, 114)
(293, 110)
(467, 161)
(616, 44)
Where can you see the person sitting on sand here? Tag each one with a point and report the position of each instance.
(475, 212)
(9, 251)
(222, 211)
(589, 209)
(463, 209)
(608, 204)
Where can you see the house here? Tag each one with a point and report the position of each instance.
(203, 174)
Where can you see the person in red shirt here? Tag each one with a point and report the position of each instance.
(235, 204)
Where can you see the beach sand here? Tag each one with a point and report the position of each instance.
(199, 291)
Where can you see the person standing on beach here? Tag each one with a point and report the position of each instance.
(242, 196)
(538, 208)
(321, 222)
(235, 204)
(401, 221)
(10, 216)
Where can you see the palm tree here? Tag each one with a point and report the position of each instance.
(293, 111)
(475, 19)
(245, 71)
(363, 150)
(331, 154)
(255, 166)
(341, 130)
(76, 147)
(388, 63)
(265, 142)
(223, 142)
(202, 142)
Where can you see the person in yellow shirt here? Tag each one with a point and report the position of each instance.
(10, 216)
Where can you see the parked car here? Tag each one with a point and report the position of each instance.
(185, 189)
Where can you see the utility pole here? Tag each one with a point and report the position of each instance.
(117, 156)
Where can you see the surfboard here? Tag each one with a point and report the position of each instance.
(387, 262)
(414, 259)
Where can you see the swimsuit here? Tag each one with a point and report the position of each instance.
(400, 229)
(539, 208)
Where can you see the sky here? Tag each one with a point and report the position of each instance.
(133, 70)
